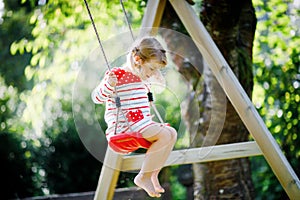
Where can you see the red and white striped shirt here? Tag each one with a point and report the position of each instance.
(135, 107)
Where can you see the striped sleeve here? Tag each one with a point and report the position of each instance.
(102, 92)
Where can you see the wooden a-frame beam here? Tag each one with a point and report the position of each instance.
(239, 99)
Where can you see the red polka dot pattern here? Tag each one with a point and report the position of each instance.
(134, 116)
(125, 77)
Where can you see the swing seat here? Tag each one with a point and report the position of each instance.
(125, 143)
(128, 142)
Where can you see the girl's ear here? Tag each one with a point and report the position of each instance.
(138, 60)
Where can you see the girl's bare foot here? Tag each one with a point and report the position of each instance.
(158, 188)
(143, 180)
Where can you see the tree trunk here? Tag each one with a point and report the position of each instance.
(231, 24)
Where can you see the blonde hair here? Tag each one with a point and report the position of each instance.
(149, 48)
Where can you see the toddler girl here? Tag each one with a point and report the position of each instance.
(143, 63)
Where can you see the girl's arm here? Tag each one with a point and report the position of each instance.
(104, 90)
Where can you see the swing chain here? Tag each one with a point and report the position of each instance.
(97, 34)
(127, 20)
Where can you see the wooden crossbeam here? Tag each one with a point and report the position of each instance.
(198, 155)
(114, 163)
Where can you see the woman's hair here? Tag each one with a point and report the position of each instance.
(149, 48)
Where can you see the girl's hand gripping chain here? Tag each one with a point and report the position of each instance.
(112, 79)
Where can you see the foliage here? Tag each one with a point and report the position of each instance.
(277, 92)
(13, 29)
(47, 42)
(69, 164)
(16, 174)
(17, 170)
(44, 44)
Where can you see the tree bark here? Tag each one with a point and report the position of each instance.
(231, 24)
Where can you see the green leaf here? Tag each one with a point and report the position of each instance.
(13, 48)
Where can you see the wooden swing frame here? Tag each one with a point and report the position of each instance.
(264, 143)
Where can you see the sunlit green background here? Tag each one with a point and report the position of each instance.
(44, 44)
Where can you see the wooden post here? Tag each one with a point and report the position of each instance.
(239, 99)
(109, 176)
(152, 16)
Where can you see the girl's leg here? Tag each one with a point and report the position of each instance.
(155, 182)
(154, 177)
(163, 138)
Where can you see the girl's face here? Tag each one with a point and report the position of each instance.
(149, 68)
